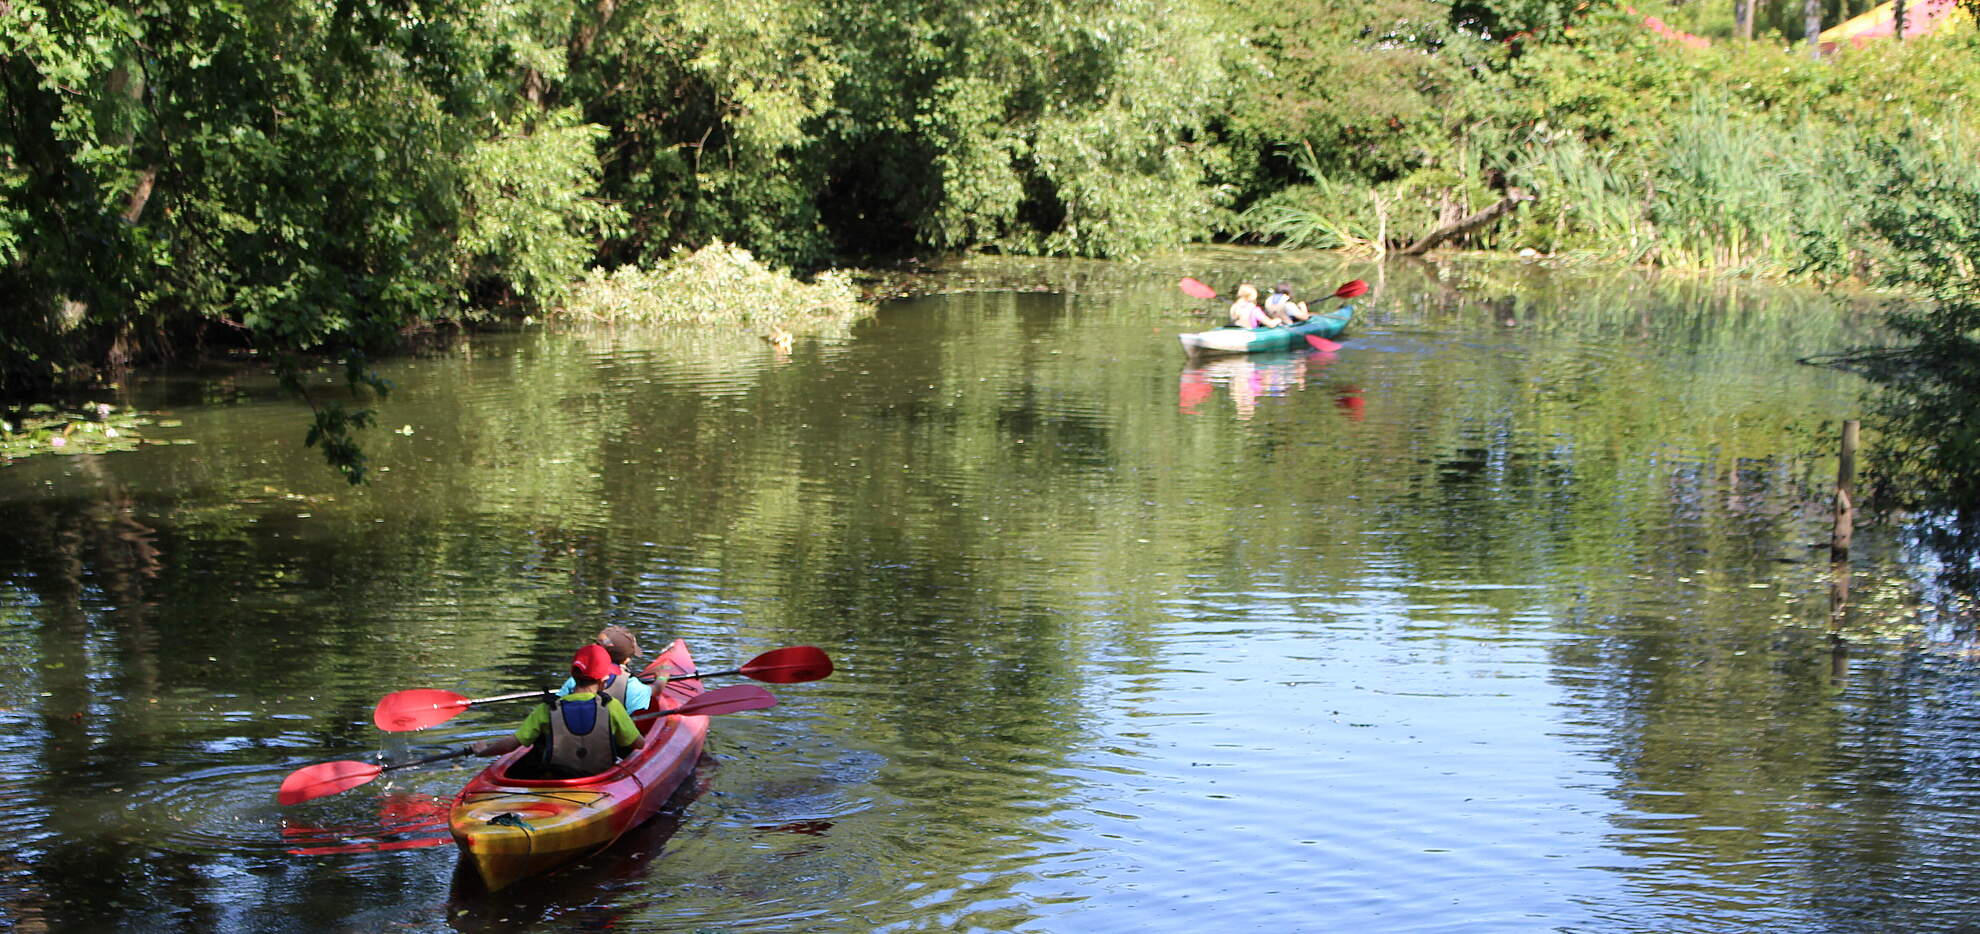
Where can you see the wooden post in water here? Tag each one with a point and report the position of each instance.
(1845, 494)
(1839, 539)
(1838, 616)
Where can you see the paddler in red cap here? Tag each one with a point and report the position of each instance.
(623, 683)
(581, 733)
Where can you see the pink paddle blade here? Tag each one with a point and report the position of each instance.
(726, 700)
(417, 709)
(1322, 344)
(1195, 289)
(1353, 288)
(315, 781)
(789, 665)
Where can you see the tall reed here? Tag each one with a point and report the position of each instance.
(1721, 188)
(1324, 214)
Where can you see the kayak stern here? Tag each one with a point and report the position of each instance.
(509, 837)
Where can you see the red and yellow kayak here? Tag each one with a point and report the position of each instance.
(511, 828)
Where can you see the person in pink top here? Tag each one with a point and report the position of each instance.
(1245, 312)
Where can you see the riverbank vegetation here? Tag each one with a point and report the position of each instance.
(303, 178)
(1928, 456)
(299, 176)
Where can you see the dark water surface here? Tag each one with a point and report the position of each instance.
(1504, 617)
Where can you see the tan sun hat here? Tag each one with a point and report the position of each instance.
(620, 642)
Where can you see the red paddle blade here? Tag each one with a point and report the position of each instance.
(1195, 289)
(316, 781)
(789, 665)
(1322, 344)
(730, 699)
(417, 709)
(1351, 289)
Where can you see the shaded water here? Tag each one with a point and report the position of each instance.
(1503, 617)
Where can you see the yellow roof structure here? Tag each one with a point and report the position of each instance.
(1921, 18)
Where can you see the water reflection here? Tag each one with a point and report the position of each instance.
(1512, 627)
(403, 822)
(1250, 378)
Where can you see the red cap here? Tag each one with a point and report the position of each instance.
(593, 663)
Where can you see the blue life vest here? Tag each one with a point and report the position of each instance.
(579, 740)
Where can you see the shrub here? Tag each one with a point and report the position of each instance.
(717, 284)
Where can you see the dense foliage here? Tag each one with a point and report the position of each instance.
(290, 175)
(1928, 452)
(1733, 157)
(310, 178)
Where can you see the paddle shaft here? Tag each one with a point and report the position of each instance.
(692, 675)
(436, 757)
(1348, 289)
(649, 679)
(526, 695)
(519, 695)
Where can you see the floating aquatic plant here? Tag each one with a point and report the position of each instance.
(92, 428)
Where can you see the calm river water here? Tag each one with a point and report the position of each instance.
(1504, 617)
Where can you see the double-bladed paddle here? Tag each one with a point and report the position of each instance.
(419, 708)
(1196, 289)
(327, 778)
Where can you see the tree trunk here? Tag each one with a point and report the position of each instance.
(125, 83)
(1743, 19)
(1468, 224)
(588, 33)
(1897, 20)
(134, 205)
(1811, 16)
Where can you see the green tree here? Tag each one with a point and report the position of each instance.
(805, 131)
(1928, 454)
(298, 177)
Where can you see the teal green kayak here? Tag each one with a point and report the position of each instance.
(1254, 340)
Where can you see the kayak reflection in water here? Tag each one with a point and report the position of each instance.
(1261, 376)
(581, 733)
(1248, 378)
